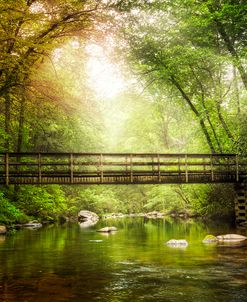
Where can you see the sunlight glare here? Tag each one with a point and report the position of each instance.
(104, 77)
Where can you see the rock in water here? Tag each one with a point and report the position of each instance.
(107, 229)
(87, 216)
(3, 229)
(177, 243)
(210, 239)
(231, 238)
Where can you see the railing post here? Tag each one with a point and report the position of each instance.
(186, 168)
(211, 166)
(71, 168)
(237, 168)
(179, 166)
(153, 168)
(39, 167)
(101, 168)
(159, 168)
(131, 168)
(7, 169)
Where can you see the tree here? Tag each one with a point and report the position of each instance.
(167, 51)
(29, 31)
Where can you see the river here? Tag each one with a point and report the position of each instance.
(70, 263)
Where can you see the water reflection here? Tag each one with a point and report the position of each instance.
(69, 263)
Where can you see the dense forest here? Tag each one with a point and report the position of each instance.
(121, 76)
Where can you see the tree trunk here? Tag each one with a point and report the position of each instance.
(230, 47)
(7, 122)
(211, 126)
(21, 125)
(224, 124)
(196, 112)
(236, 90)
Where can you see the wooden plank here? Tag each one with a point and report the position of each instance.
(119, 164)
(101, 168)
(179, 167)
(131, 168)
(87, 154)
(186, 168)
(159, 180)
(212, 171)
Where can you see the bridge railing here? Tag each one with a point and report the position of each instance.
(39, 168)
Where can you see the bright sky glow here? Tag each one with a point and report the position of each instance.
(104, 78)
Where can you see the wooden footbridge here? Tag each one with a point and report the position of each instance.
(120, 168)
(127, 168)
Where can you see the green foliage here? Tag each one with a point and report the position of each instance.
(99, 199)
(9, 213)
(213, 200)
(45, 202)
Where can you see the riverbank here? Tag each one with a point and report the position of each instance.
(183, 215)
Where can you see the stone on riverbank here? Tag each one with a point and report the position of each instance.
(177, 243)
(210, 239)
(107, 229)
(154, 215)
(3, 229)
(231, 238)
(33, 225)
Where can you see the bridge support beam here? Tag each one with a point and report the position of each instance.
(241, 202)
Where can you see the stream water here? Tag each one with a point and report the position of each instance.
(70, 263)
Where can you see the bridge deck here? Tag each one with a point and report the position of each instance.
(119, 168)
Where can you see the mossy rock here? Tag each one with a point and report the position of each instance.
(210, 239)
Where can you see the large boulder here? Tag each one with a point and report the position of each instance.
(87, 218)
(87, 215)
(177, 243)
(3, 229)
(231, 238)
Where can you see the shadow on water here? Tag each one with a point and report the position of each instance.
(69, 263)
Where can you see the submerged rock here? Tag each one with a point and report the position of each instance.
(108, 229)
(3, 229)
(231, 238)
(177, 243)
(210, 239)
